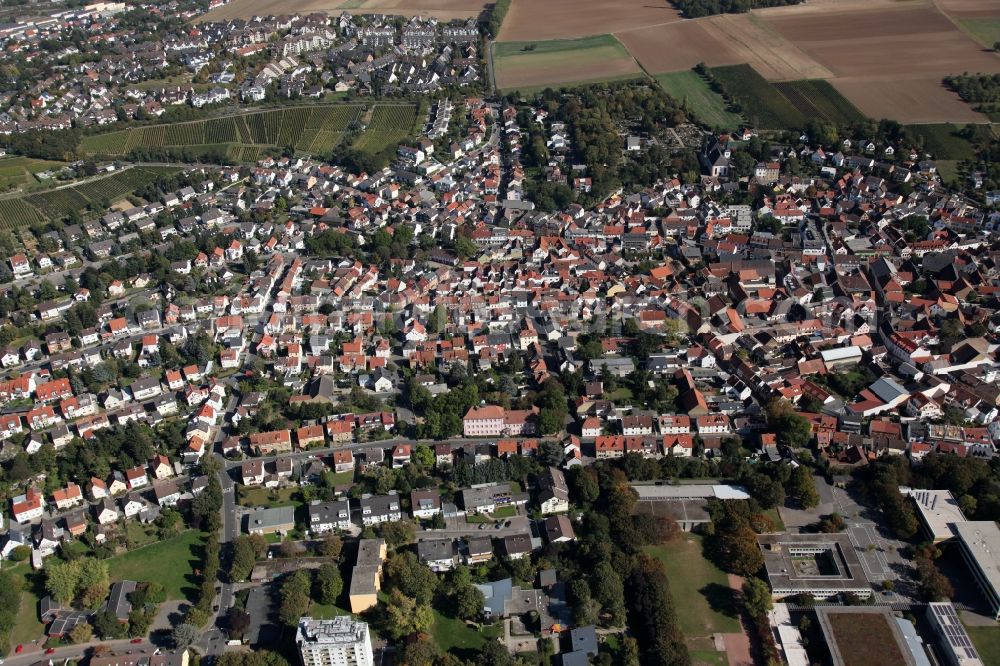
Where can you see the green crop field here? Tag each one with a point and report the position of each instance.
(815, 98)
(698, 97)
(984, 30)
(760, 102)
(943, 141)
(389, 125)
(16, 213)
(242, 137)
(57, 204)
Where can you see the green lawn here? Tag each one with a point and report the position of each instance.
(343, 478)
(326, 611)
(28, 626)
(263, 497)
(987, 641)
(505, 512)
(984, 30)
(706, 104)
(451, 633)
(779, 524)
(700, 589)
(170, 563)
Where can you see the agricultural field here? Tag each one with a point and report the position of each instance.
(943, 141)
(16, 213)
(440, 9)
(389, 125)
(240, 136)
(866, 49)
(19, 172)
(528, 20)
(760, 102)
(871, 52)
(56, 204)
(698, 97)
(817, 98)
(561, 61)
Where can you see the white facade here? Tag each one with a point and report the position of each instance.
(341, 641)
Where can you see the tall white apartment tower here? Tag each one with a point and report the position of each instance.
(341, 641)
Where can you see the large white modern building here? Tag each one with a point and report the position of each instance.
(341, 641)
(980, 541)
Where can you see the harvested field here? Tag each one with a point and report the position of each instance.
(871, 53)
(441, 9)
(729, 39)
(907, 100)
(564, 61)
(560, 19)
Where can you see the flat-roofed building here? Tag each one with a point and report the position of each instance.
(953, 640)
(980, 540)
(822, 565)
(366, 576)
(938, 511)
(342, 641)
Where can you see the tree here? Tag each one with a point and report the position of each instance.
(244, 558)
(94, 581)
(756, 597)
(294, 597)
(107, 626)
(62, 580)
(792, 429)
(237, 623)
(331, 546)
(184, 635)
(607, 588)
(410, 577)
(420, 652)
(328, 584)
(494, 654)
(803, 487)
(583, 607)
(469, 602)
(82, 633)
(404, 616)
(397, 533)
(551, 420)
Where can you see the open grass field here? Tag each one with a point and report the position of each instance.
(439, 9)
(170, 563)
(705, 604)
(561, 61)
(987, 642)
(943, 141)
(706, 104)
(528, 20)
(864, 638)
(18, 172)
(28, 627)
(241, 136)
(760, 102)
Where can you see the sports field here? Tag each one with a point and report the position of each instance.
(561, 61)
